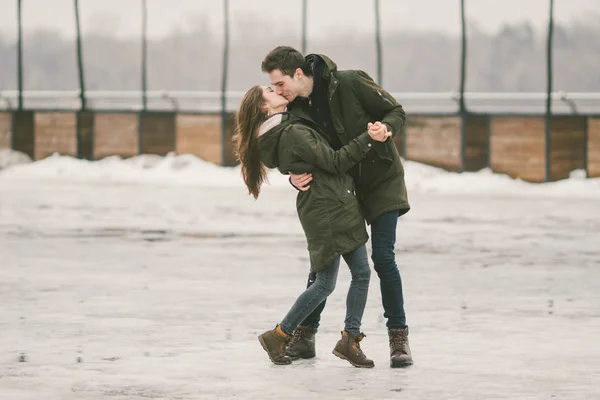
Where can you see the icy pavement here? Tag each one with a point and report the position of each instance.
(148, 291)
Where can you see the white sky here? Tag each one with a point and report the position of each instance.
(122, 17)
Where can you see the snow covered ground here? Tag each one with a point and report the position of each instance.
(150, 278)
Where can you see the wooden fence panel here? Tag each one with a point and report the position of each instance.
(55, 132)
(434, 140)
(5, 129)
(200, 135)
(115, 134)
(477, 141)
(229, 153)
(567, 145)
(517, 147)
(593, 148)
(157, 132)
(85, 135)
(23, 132)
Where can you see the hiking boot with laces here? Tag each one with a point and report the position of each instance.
(399, 349)
(302, 344)
(348, 348)
(274, 342)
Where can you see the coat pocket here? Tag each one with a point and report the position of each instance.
(346, 190)
(375, 170)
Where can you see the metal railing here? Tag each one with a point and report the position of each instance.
(211, 101)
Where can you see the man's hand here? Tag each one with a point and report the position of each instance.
(301, 181)
(378, 131)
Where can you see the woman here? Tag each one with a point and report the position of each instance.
(267, 137)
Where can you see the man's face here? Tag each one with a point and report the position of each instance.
(285, 85)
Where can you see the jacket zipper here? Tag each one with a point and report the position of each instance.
(331, 92)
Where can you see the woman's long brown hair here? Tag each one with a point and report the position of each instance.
(248, 120)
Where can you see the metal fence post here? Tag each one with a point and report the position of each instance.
(304, 23)
(549, 93)
(144, 55)
(224, 82)
(20, 52)
(378, 43)
(463, 56)
(81, 115)
(463, 69)
(79, 57)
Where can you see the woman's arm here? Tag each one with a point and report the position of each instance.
(308, 147)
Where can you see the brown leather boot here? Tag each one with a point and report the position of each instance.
(302, 344)
(274, 342)
(399, 349)
(348, 348)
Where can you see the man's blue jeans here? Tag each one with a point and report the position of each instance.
(383, 239)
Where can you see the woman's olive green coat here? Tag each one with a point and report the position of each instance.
(329, 212)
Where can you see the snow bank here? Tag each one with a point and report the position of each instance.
(183, 169)
(426, 179)
(190, 170)
(10, 157)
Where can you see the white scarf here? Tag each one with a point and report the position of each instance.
(270, 123)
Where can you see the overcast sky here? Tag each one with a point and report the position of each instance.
(122, 17)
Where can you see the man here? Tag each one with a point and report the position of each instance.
(345, 104)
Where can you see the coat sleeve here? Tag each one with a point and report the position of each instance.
(378, 103)
(309, 148)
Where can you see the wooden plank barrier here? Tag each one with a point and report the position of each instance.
(593, 147)
(567, 145)
(55, 132)
(477, 141)
(229, 153)
(23, 132)
(514, 145)
(157, 132)
(115, 134)
(200, 135)
(517, 147)
(434, 140)
(85, 135)
(5, 129)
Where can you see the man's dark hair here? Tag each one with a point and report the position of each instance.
(287, 60)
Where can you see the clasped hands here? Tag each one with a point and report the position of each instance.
(378, 131)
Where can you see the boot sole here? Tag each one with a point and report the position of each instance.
(343, 357)
(303, 357)
(400, 364)
(264, 346)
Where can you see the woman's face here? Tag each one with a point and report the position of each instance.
(272, 99)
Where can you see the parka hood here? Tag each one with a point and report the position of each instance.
(330, 66)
